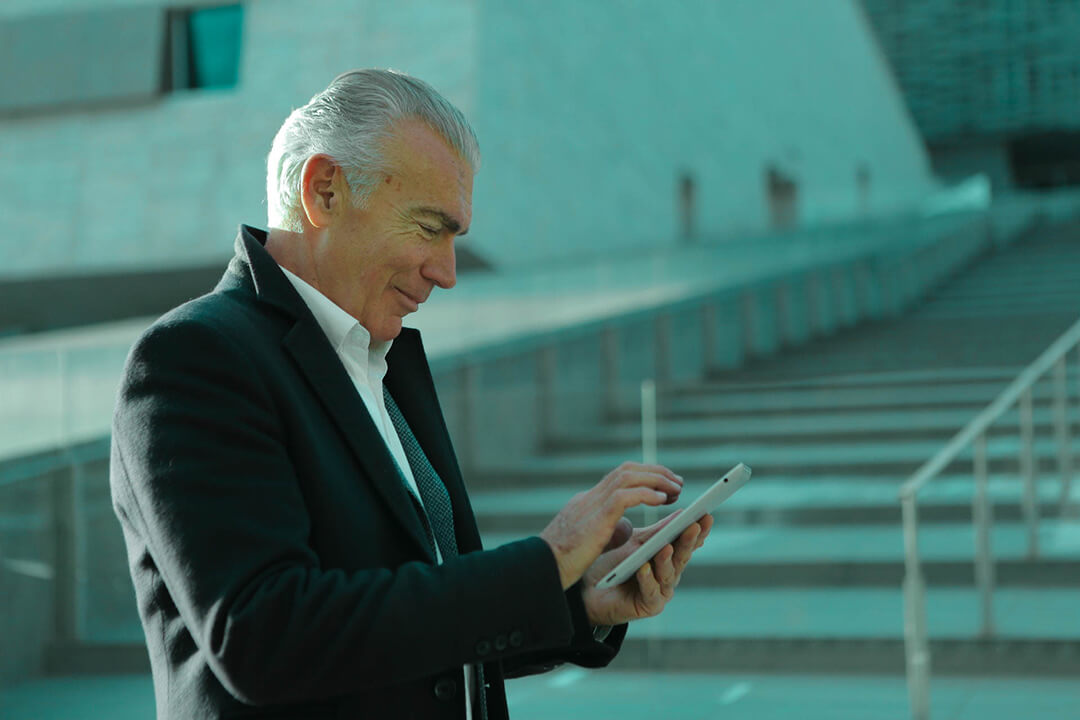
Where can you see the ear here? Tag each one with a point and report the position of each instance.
(321, 190)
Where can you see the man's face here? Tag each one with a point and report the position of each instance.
(381, 261)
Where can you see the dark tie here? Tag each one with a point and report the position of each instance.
(437, 511)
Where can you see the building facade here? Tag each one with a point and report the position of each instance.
(132, 146)
(994, 85)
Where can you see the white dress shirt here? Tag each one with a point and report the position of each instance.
(365, 363)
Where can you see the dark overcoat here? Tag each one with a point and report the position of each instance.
(281, 568)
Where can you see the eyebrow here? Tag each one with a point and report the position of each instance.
(448, 222)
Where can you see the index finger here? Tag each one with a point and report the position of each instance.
(663, 470)
(652, 470)
(635, 476)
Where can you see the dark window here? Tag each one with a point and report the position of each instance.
(1046, 160)
(783, 194)
(203, 47)
(862, 184)
(1032, 75)
(687, 202)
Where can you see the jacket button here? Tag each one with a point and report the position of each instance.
(500, 642)
(516, 639)
(483, 647)
(445, 689)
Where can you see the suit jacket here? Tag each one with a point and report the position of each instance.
(280, 566)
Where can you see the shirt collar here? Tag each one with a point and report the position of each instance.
(340, 327)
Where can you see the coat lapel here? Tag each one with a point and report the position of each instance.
(324, 372)
(321, 367)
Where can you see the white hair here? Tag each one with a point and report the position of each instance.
(349, 121)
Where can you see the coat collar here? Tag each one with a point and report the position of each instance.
(408, 379)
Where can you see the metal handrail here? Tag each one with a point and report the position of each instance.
(1019, 392)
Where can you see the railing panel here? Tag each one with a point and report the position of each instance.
(27, 575)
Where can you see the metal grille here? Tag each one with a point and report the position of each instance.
(985, 67)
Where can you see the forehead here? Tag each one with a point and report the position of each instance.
(426, 171)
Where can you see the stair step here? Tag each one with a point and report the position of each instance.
(951, 613)
(775, 555)
(924, 376)
(529, 520)
(773, 499)
(975, 395)
(883, 461)
(768, 653)
(857, 425)
(1040, 658)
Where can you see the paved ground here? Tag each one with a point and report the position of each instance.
(574, 693)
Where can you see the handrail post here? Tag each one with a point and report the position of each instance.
(648, 436)
(984, 564)
(1065, 493)
(708, 335)
(1028, 470)
(916, 642)
(546, 401)
(648, 422)
(469, 384)
(610, 370)
(649, 457)
(1061, 429)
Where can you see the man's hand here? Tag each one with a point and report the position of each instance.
(587, 525)
(648, 592)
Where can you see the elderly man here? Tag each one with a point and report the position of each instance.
(299, 534)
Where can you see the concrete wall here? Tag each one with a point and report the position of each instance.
(588, 116)
(585, 116)
(165, 183)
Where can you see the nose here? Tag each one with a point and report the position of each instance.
(441, 265)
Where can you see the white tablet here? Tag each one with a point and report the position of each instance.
(708, 501)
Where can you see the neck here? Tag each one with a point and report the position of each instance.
(291, 251)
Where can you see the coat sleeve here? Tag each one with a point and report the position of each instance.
(202, 476)
(583, 649)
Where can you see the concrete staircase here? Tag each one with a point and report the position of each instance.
(803, 571)
(804, 567)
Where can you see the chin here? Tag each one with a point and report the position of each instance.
(387, 332)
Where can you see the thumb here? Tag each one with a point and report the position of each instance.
(645, 533)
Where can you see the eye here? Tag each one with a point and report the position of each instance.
(428, 230)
